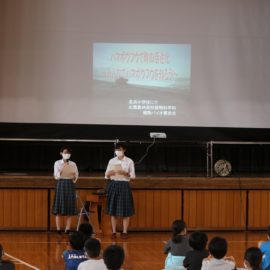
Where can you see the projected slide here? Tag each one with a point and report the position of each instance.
(146, 65)
(140, 80)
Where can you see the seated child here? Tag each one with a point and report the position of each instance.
(194, 258)
(253, 258)
(5, 264)
(177, 247)
(265, 249)
(95, 262)
(74, 256)
(114, 257)
(217, 248)
(86, 229)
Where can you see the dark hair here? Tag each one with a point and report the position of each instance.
(268, 231)
(113, 257)
(198, 240)
(86, 229)
(120, 145)
(178, 226)
(1, 252)
(218, 247)
(254, 257)
(65, 148)
(77, 240)
(92, 247)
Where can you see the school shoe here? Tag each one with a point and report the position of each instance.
(113, 236)
(124, 235)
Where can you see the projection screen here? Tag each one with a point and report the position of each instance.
(155, 62)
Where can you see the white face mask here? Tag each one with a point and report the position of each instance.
(66, 156)
(119, 153)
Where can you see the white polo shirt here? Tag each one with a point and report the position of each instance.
(92, 265)
(215, 264)
(58, 166)
(127, 165)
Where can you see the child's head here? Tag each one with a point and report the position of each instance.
(253, 258)
(179, 226)
(218, 247)
(76, 240)
(1, 252)
(87, 229)
(268, 232)
(198, 240)
(92, 248)
(113, 257)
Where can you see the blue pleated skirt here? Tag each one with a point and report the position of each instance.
(119, 199)
(65, 198)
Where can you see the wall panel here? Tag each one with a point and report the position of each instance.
(215, 209)
(155, 209)
(23, 209)
(259, 207)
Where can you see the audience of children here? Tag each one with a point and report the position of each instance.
(265, 249)
(114, 256)
(95, 262)
(177, 247)
(182, 252)
(197, 241)
(74, 256)
(217, 248)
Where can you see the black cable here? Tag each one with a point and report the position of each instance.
(146, 152)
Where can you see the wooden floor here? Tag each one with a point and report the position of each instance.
(143, 250)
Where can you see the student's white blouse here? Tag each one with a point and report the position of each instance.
(127, 165)
(58, 165)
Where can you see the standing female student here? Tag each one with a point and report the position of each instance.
(119, 197)
(66, 174)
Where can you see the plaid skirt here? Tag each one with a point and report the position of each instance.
(119, 199)
(64, 202)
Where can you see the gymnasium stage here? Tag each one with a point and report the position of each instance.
(213, 204)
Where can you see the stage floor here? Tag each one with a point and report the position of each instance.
(139, 174)
(143, 250)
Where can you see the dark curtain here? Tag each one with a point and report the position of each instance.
(93, 157)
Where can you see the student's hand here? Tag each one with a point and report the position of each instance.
(122, 172)
(229, 258)
(110, 173)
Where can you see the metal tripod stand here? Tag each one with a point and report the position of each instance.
(83, 211)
